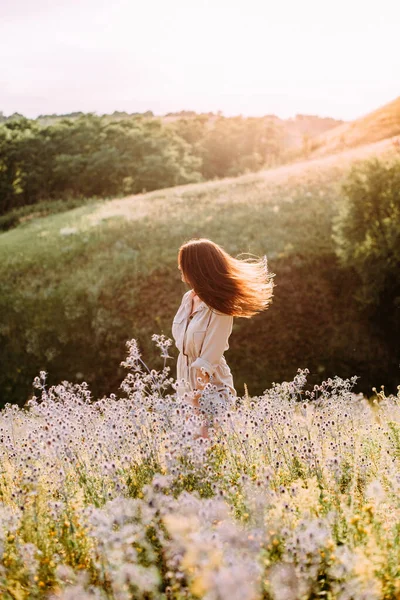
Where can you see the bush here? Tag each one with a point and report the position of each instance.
(8, 221)
(367, 230)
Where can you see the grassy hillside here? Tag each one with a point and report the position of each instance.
(77, 285)
(379, 125)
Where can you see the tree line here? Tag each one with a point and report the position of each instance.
(95, 156)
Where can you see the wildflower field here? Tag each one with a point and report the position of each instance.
(294, 495)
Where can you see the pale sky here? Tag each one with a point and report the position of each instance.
(338, 58)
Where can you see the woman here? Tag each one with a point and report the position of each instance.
(223, 287)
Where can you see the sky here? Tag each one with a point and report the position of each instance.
(336, 58)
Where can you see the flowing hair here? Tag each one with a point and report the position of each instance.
(232, 286)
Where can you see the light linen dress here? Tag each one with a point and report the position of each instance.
(202, 340)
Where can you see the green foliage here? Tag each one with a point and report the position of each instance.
(367, 229)
(89, 156)
(367, 235)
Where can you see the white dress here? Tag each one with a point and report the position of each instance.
(202, 340)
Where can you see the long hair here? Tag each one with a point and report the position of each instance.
(232, 286)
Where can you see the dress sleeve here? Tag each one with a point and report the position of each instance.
(215, 343)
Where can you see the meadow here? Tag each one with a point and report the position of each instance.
(107, 492)
(76, 285)
(294, 496)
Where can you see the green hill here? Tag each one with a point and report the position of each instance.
(77, 285)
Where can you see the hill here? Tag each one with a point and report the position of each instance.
(77, 285)
(379, 125)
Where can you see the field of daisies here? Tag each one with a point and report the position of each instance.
(293, 495)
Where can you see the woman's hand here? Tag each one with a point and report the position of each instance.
(204, 377)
